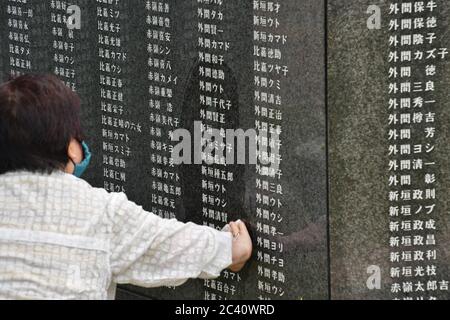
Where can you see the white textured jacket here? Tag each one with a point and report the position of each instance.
(60, 238)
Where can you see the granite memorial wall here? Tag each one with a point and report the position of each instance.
(389, 109)
(348, 197)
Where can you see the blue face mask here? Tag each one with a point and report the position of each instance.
(81, 167)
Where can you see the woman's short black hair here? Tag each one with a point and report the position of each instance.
(39, 115)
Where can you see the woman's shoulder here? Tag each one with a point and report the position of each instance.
(61, 185)
(81, 185)
(97, 194)
(53, 182)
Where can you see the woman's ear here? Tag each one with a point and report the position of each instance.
(75, 151)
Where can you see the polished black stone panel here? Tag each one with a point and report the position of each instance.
(146, 68)
(303, 221)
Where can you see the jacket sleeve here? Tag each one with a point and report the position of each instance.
(149, 251)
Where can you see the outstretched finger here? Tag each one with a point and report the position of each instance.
(242, 228)
(234, 229)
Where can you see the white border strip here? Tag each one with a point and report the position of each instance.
(51, 238)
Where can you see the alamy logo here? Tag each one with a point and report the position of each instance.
(226, 147)
(374, 21)
(74, 19)
(374, 280)
(74, 281)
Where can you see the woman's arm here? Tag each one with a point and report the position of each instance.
(149, 251)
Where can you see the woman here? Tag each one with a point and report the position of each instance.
(60, 238)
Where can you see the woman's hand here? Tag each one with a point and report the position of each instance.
(242, 245)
